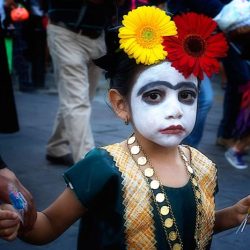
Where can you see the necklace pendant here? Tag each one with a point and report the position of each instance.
(149, 172)
(160, 197)
(190, 169)
(172, 235)
(154, 184)
(131, 140)
(169, 222)
(142, 160)
(184, 157)
(194, 182)
(177, 246)
(164, 210)
(135, 150)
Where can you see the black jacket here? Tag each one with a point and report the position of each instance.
(98, 14)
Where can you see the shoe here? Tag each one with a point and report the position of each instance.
(65, 160)
(235, 159)
(223, 142)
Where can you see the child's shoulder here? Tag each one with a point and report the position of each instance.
(106, 151)
(92, 177)
(100, 157)
(98, 164)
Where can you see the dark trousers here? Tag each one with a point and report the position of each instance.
(37, 44)
(29, 53)
(8, 114)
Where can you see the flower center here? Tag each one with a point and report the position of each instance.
(147, 34)
(147, 37)
(194, 45)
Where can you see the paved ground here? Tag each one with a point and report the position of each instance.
(24, 152)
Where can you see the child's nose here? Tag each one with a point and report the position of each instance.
(174, 110)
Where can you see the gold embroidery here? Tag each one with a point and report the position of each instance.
(139, 223)
(206, 172)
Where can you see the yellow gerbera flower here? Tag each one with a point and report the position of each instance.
(141, 35)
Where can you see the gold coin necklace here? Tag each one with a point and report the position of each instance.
(160, 198)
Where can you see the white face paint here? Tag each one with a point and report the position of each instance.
(164, 104)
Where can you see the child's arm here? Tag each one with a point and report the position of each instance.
(231, 216)
(55, 219)
(9, 222)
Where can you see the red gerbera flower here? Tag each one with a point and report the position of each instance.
(196, 49)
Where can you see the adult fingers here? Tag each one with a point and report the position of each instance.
(5, 224)
(9, 224)
(10, 237)
(9, 233)
(9, 214)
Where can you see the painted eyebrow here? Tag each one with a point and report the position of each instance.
(168, 85)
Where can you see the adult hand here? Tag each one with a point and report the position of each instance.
(8, 178)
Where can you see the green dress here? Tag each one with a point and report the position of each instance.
(99, 185)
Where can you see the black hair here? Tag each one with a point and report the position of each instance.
(120, 69)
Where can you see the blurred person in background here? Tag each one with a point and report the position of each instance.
(75, 35)
(8, 113)
(235, 153)
(37, 44)
(21, 59)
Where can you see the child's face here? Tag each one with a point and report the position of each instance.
(164, 104)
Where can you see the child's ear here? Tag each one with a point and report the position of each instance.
(119, 104)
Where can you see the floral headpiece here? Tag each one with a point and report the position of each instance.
(149, 36)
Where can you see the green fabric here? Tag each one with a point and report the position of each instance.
(97, 183)
(9, 51)
(184, 208)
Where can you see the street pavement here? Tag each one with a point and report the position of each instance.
(25, 154)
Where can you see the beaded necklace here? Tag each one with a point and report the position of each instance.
(159, 195)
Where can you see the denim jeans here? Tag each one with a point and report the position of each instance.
(205, 100)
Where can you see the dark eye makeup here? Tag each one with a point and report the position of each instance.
(187, 96)
(156, 96)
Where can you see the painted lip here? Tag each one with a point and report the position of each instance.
(173, 130)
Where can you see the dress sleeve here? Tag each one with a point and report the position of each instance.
(95, 179)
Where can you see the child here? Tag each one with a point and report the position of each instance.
(146, 192)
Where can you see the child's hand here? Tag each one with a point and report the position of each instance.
(9, 222)
(242, 208)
